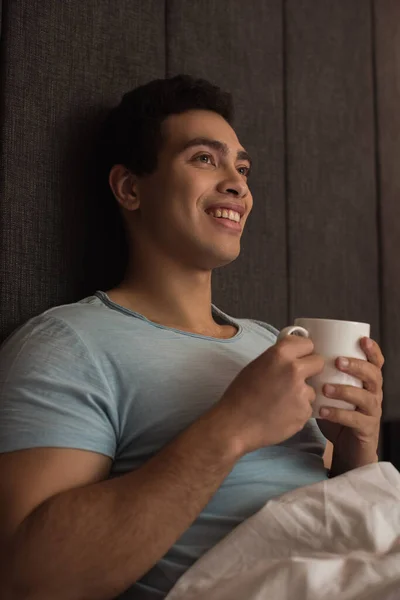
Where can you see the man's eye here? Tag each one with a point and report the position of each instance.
(246, 171)
(201, 156)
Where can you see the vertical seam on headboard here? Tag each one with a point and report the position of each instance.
(3, 21)
(166, 40)
(377, 168)
(285, 160)
(384, 446)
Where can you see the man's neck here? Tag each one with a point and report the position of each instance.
(171, 296)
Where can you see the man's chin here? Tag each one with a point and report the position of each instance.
(219, 260)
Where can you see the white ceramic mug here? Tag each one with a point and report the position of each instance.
(331, 339)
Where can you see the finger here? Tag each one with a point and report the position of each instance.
(372, 351)
(363, 400)
(294, 346)
(311, 365)
(364, 425)
(370, 374)
(310, 394)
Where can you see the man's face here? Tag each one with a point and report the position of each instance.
(201, 165)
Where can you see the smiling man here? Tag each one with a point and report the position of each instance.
(183, 220)
(140, 425)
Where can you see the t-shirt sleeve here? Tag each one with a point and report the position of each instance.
(52, 391)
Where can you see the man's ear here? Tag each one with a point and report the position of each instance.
(123, 184)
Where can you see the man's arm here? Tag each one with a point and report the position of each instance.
(355, 459)
(119, 527)
(328, 455)
(335, 464)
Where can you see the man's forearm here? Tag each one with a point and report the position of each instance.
(341, 465)
(94, 542)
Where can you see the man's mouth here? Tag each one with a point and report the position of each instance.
(228, 219)
(223, 213)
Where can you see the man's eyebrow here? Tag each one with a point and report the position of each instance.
(216, 145)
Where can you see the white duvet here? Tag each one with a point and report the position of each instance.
(337, 540)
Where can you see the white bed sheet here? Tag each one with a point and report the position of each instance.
(338, 539)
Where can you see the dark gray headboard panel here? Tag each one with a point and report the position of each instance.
(316, 87)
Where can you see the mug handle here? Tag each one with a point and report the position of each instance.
(293, 330)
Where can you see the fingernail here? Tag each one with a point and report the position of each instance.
(343, 362)
(324, 412)
(368, 343)
(329, 389)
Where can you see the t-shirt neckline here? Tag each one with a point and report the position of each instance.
(228, 320)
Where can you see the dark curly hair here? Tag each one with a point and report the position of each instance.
(131, 133)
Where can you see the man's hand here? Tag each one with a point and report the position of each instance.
(270, 400)
(355, 434)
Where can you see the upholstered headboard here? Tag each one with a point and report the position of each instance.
(316, 85)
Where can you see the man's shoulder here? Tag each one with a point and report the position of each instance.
(265, 326)
(64, 322)
(74, 311)
(259, 328)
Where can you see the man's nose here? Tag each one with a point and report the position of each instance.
(233, 185)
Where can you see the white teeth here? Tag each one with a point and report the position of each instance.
(232, 215)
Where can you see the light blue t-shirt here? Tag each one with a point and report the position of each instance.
(96, 376)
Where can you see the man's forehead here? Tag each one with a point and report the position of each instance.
(197, 124)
